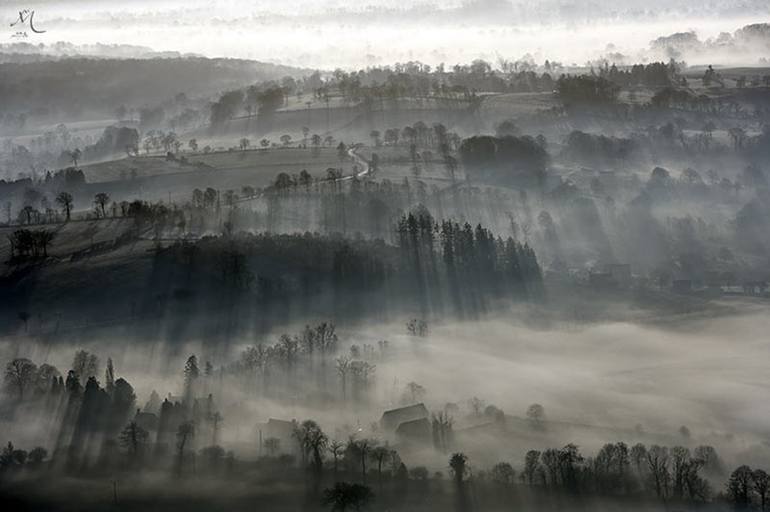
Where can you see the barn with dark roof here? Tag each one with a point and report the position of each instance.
(393, 418)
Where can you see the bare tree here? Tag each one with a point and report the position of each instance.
(312, 441)
(760, 482)
(531, 464)
(680, 457)
(185, 432)
(100, 200)
(536, 416)
(336, 448)
(362, 448)
(342, 366)
(20, 373)
(740, 485)
(216, 421)
(45, 377)
(416, 327)
(477, 405)
(503, 474)
(639, 458)
(75, 155)
(362, 372)
(43, 239)
(380, 454)
(658, 465)
(65, 200)
(326, 337)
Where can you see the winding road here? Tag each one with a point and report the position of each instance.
(361, 162)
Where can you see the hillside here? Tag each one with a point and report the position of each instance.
(75, 87)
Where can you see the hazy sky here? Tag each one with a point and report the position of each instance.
(348, 34)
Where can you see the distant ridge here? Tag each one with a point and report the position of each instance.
(28, 52)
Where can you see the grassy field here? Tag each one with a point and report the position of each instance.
(154, 178)
(72, 237)
(262, 163)
(517, 104)
(395, 165)
(94, 128)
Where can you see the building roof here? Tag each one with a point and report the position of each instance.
(394, 417)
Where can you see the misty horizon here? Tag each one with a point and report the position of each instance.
(345, 36)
